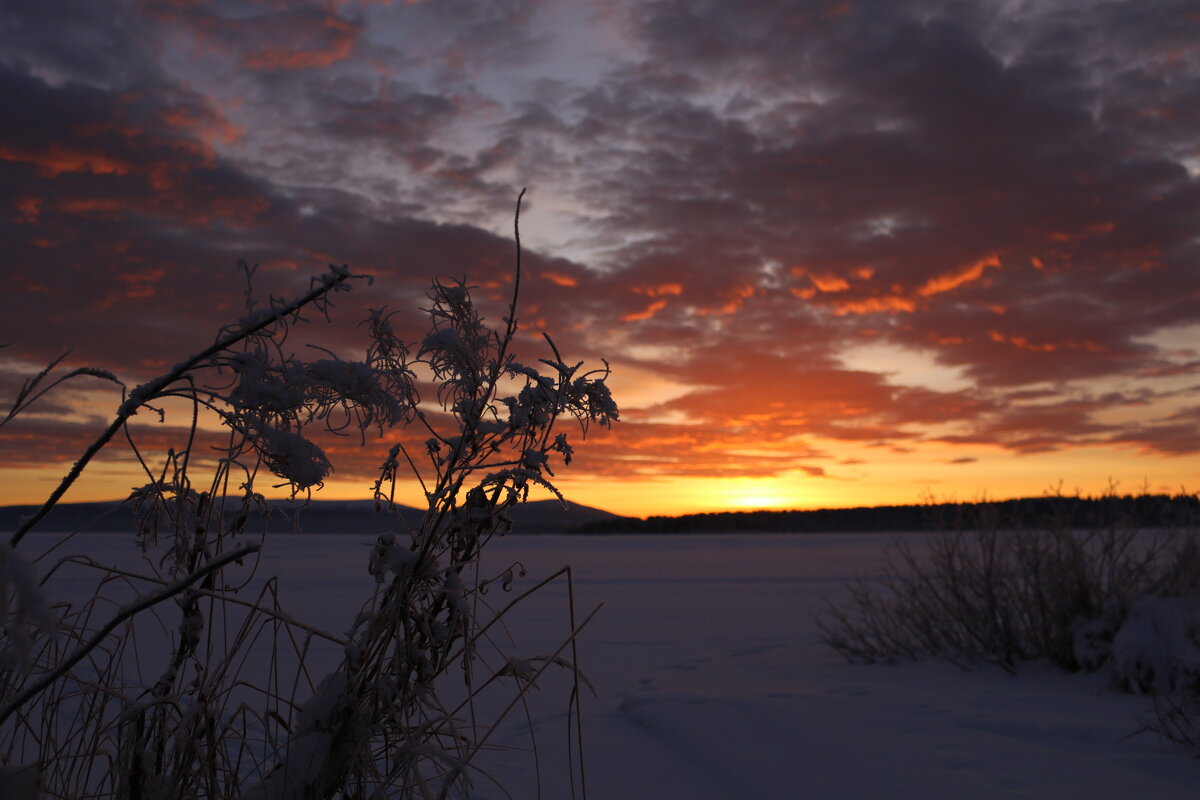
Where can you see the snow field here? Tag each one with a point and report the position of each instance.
(712, 682)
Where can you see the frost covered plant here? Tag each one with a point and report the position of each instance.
(492, 442)
(93, 704)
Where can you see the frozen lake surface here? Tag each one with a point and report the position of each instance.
(712, 682)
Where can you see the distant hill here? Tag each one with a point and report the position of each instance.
(320, 516)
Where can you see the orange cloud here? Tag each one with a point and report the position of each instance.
(738, 295)
(56, 160)
(873, 305)
(559, 279)
(660, 290)
(829, 283)
(952, 280)
(212, 126)
(907, 302)
(646, 313)
(1020, 342)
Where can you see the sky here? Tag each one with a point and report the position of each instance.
(837, 253)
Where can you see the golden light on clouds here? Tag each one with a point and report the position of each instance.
(830, 262)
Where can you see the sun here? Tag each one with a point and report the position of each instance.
(749, 494)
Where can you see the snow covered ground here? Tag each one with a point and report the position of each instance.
(713, 684)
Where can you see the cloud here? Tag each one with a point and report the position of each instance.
(1177, 435)
(76, 40)
(742, 194)
(264, 36)
(928, 180)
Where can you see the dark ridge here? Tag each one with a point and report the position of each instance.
(1142, 511)
(319, 516)
(549, 516)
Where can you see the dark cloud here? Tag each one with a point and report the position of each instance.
(1177, 435)
(76, 40)
(929, 156)
(114, 210)
(115, 216)
(919, 174)
(265, 36)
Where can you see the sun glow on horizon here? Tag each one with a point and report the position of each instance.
(889, 483)
(750, 494)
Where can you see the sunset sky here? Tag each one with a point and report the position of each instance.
(837, 253)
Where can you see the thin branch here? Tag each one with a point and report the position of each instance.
(511, 323)
(152, 388)
(503, 715)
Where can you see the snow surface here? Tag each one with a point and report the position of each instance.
(712, 682)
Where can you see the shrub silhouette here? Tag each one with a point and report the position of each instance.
(989, 589)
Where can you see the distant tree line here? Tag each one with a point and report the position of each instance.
(1144, 510)
(324, 516)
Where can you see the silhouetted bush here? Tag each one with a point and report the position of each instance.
(994, 588)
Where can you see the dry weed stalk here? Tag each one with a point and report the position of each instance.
(92, 704)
